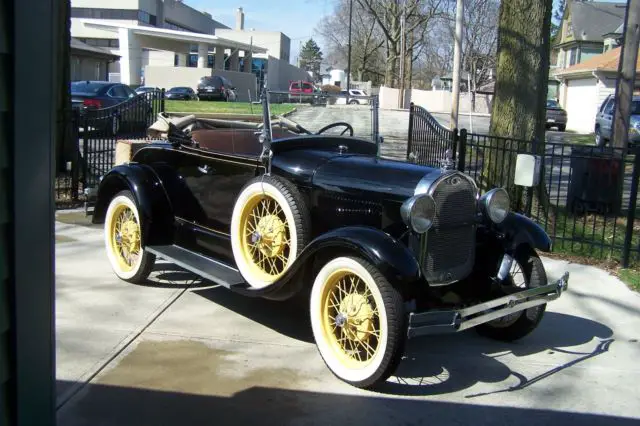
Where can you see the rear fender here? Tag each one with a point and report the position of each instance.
(519, 229)
(391, 257)
(154, 207)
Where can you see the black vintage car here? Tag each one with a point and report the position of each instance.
(379, 250)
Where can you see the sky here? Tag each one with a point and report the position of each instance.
(297, 19)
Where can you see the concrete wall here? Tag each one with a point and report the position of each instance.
(435, 100)
(276, 43)
(388, 98)
(168, 77)
(181, 14)
(158, 58)
(280, 73)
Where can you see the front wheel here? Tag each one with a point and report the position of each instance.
(357, 320)
(526, 272)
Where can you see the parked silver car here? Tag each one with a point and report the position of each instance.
(604, 121)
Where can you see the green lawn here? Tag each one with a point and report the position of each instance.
(631, 277)
(574, 138)
(214, 107)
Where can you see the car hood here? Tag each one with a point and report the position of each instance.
(370, 177)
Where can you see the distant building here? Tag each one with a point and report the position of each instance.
(89, 62)
(169, 33)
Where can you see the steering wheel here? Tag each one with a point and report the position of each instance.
(337, 124)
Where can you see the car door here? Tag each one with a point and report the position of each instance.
(215, 179)
(606, 119)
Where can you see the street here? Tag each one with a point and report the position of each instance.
(180, 351)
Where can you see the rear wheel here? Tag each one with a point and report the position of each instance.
(357, 320)
(526, 272)
(123, 240)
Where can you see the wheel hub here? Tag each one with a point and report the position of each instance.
(270, 235)
(129, 236)
(355, 317)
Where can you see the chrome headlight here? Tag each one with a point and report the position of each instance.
(418, 212)
(495, 204)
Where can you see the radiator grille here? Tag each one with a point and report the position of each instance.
(450, 245)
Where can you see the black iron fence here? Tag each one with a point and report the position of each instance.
(587, 196)
(90, 151)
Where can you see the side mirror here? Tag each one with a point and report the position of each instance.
(527, 170)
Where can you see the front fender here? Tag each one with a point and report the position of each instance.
(154, 207)
(391, 257)
(519, 229)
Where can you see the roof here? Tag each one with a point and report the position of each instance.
(592, 20)
(174, 35)
(463, 76)
(607, 61)
(78, 46)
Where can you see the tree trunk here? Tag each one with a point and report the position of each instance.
(521, 88)
(390, 69)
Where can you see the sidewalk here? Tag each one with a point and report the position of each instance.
(181, 352)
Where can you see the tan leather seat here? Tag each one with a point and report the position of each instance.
(229, 141)
(233, 141)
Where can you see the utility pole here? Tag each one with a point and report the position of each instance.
(402, 56)
(457, 49)
(626, 75)
(349, 59)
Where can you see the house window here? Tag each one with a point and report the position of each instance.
(573, 56)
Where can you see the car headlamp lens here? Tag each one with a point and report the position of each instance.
(496, 204)
(418, 212)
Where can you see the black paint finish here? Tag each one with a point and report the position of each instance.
(187, 195)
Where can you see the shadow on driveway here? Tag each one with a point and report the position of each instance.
(123, 406)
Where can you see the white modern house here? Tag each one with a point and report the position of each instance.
(166, 42)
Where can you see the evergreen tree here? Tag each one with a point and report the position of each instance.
(311, 57)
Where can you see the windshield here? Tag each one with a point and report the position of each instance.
(179, 90)
(86, 87)
(635, 107)
(552, 103)
(320, 111)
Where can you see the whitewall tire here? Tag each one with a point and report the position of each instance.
(269, 229)
(357, 320)
(123, 240)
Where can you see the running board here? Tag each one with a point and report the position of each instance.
(206, 267)
(441, 322)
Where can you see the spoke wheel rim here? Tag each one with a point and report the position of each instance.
(350, 319)
(125, 238)
(265, 237)
(517, 280)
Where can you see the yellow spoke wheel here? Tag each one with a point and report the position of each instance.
(269, 228)
(356, 317)
(123, 239)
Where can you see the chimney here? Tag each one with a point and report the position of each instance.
(239, 19)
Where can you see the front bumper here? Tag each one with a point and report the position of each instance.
(442, 322)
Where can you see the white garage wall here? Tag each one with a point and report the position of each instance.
(582, 97)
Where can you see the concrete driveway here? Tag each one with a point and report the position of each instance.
(179, 351)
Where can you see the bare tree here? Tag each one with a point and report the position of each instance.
(418, 15)
(367, 53)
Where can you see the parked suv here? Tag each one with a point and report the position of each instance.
(604, 121)
(216, 87)
(356, 97)
(301, 91)
(556, 116)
